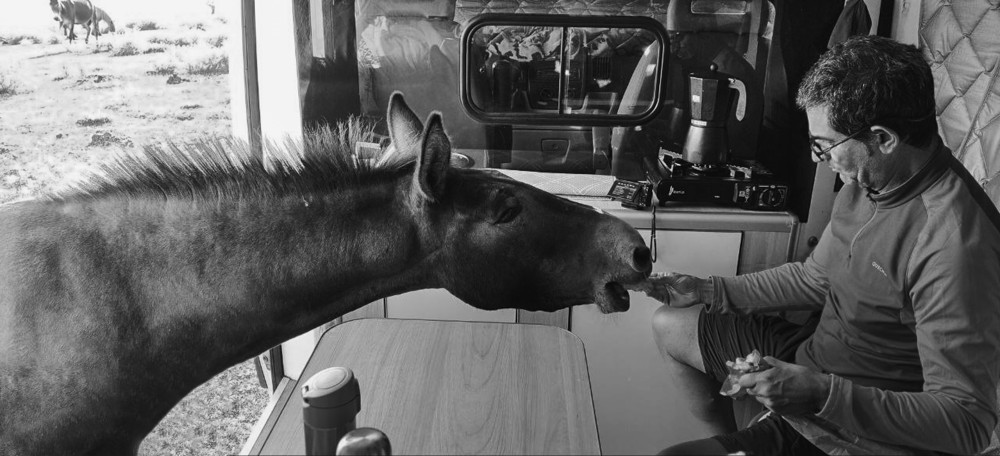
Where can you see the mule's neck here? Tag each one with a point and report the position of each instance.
(242, 276)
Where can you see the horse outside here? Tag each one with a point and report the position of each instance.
(69, 13)
(102, 16)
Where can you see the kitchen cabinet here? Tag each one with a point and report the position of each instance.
(639, 411)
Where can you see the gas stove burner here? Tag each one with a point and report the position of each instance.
(747, 185)
(710, 170)
(676, 166)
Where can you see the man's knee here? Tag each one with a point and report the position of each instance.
(676, 333)
(665, 321)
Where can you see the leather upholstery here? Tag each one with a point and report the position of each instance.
(961, 40)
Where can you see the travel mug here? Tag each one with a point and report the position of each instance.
(331, 400)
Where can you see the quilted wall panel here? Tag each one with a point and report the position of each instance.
(961, 41)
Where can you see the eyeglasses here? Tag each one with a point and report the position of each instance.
(820, 152)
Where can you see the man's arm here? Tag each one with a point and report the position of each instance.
(791, 286)
(930, 420)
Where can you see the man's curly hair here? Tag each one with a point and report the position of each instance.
(871, 80)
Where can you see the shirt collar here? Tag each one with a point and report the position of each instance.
(919, 181)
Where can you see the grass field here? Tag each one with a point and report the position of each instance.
(65, 108)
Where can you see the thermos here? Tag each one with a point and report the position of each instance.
(331, 400)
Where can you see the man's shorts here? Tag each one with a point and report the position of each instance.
(725, 337)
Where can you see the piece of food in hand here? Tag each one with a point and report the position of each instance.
(646, 284)
(655, 285)
(754, 362)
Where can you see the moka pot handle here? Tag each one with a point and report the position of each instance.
(741, 97)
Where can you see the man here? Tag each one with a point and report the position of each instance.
(905, 355)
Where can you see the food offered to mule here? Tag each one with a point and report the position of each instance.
(754, 362)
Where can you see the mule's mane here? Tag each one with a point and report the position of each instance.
(226, 167)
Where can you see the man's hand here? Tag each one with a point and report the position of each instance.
(673, 289)
(788, 389)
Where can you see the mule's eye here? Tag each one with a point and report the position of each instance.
(509, 209)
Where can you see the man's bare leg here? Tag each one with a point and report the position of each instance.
(676, 334)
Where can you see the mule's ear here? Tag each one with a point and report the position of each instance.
(404, 127)
(433, 162)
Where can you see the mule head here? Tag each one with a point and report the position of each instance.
(499, 243)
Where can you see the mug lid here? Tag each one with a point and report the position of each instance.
(331, 387)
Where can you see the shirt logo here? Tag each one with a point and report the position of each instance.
(879, 268)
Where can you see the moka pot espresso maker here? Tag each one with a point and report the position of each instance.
(711, 96)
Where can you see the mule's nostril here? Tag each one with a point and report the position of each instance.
(641, 260)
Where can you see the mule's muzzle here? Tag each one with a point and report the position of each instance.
(642, 260)
(614, 297)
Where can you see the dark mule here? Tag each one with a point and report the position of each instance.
(118, 299)
(71, 12)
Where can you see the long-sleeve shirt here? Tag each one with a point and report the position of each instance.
(909, 286)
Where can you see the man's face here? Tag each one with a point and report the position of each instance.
(853, 160)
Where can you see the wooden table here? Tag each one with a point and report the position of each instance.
(446, 387)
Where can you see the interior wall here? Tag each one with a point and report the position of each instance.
(961, 41)
(277, 72)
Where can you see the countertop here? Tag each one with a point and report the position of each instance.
(695, 217)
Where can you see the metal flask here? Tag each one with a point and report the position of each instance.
(331, 400)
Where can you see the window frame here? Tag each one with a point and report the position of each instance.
(564, 22)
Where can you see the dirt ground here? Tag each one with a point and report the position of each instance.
(72, 108)
(66, 108)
